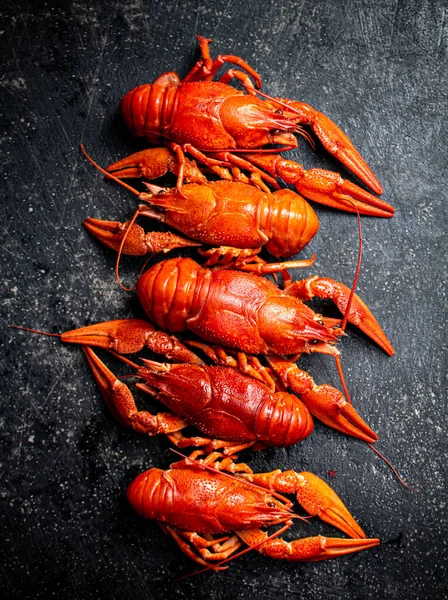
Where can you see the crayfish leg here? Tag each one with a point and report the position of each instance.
(228, 257)
(216, 461)
(183, 545)
(209, 445)
(197, 547)
(206, 68)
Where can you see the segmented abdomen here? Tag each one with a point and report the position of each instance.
(168, 291)
(283, 420)
(148, 109)
(289, 222)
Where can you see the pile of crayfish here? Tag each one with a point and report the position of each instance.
(232, 337)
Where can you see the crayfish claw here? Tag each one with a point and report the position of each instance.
(330, 189)
(154, 163)
(110, 233)
(314, 495)
(311, 549)
(337, 143)
(137, 242)
(127, 336)
(359, 313)
(315, 549)
(120, 401)
(334, 140)
(320, 500)
(324, 401)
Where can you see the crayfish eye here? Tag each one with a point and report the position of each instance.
(161, 192)
(271, 504)
(320, 322)
(279, 111)
(314, 342)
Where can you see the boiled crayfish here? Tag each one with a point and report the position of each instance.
(223, 127)
(248, 313)
(237, 405)
(197, 503)
(208, 512)
(237, 218)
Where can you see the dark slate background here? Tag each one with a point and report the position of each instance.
(378, 69)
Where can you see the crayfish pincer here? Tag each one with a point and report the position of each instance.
(211, 514)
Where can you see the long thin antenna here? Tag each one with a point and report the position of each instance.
(349, 303)
(389, 464)
(343, 326)
(358, 269)
(132, 221)
(109, 175)
(337, 358)
(120, 251)
(35, 331)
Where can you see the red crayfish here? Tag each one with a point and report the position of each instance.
(248, 313)
(235, 410)
(237, 218)
(194, 501)
(223, 128)
(196, 504)
(237, 315)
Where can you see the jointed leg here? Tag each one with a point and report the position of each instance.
(206, 68)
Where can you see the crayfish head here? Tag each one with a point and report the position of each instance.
(252, 123)
(288, 326)
(245, 507)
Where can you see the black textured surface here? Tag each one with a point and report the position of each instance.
(379, 70)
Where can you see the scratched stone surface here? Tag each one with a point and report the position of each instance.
(378, 69)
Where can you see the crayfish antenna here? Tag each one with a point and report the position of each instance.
(392, 468)
(358, 270)
(109, 175)
(48, 334)
(349, 303)
(337, 359)
(132, 221)
(343, 327)
(120, 251)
